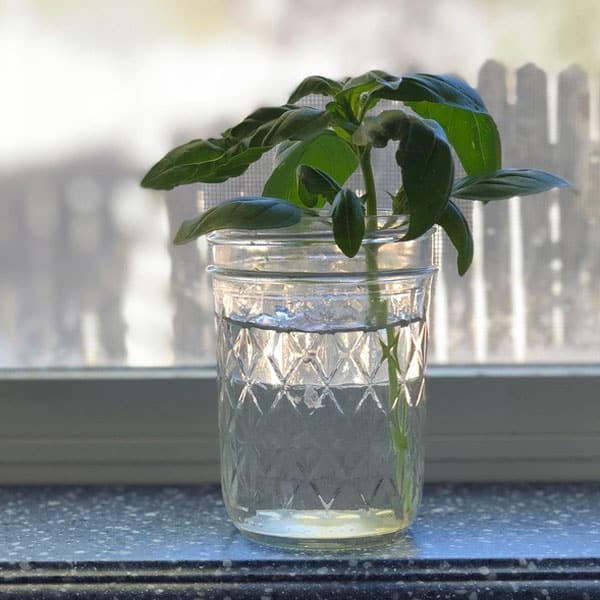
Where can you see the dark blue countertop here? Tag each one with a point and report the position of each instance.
(470, 541)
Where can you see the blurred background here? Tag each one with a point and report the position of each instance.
(94, 92)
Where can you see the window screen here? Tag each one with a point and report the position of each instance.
(94, 92)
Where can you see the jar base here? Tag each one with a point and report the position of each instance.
(341, 545)
(323, 530)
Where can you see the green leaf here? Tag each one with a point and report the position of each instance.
(375, 79)
(181, 164)
(209, 161)
(506, 183)
(448, 90)
(326, 151)
(457, 228)
(298, 124)
(474, 136)
(399, 202)
(248, 212)
(216, 160)
(425, 159)
(259, 117)
(340, 121)
(314, 185)
(348, 222)
(379, 130)
(315, 84)
(461, 112)
(282, 148)
(356, 94)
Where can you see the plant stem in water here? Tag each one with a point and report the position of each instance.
(378, 315)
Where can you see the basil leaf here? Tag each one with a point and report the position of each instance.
(474, 136)
(456, 227)
(209, 161)
(356, 94)
(379, 130)
(506, 183)
(372, 80)
(448, 90)
(182, 164)
(282, 148)
(348, 222)
(256, 119)
(298, 124)
(461, 112)
(326, 151)
(216, 160)
(314, 184)
(247, 212)
(399, 202)
(315, 84)
(427, 167)
(340, 122)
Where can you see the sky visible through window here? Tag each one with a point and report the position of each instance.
(94, 92)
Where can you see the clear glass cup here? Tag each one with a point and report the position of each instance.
(321, 381)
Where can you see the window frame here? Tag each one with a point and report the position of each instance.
(485, 423)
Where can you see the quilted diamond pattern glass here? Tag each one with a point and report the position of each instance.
(321, 389)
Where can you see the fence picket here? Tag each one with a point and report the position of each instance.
(532, 286)
(496, 235)
(572, 154)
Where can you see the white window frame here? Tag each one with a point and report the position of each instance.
(488, 423)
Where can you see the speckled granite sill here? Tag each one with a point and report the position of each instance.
(470, 541)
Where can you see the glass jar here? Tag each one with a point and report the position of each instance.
(320, 364)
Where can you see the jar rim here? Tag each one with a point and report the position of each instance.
(308, 250)
(383, 228)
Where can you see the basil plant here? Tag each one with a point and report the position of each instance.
(437, 117)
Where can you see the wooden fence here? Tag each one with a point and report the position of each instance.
(533, 293)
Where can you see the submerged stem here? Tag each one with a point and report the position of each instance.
(378, 315)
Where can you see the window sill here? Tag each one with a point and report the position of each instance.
(470, 541)
(148, 426)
